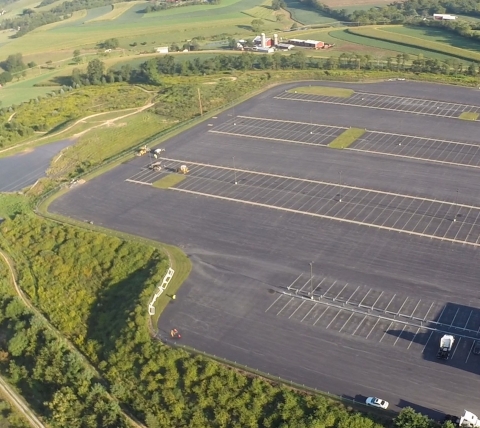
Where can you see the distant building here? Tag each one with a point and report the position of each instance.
(313, 44)
(262, 41)
(265, 50)
(162, 50)
(444, 17)
(284, 46)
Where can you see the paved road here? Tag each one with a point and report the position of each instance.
(23, 169)
(243, 255)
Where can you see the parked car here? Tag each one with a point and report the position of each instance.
(376, 402)
(476, 347)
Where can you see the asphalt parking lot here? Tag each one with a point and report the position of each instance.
(388, 102)
(379, 228)
(384, 143)
(423, 217)
(23, 169)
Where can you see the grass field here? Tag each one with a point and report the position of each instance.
(347, 138)
(169, 181)
(118, 9)
(306, 15)
(469, 115)
(387, 48)
(387, 33)
(263, 12)
(436, 35)
(102, 143)
(341, 4)
(324, 90)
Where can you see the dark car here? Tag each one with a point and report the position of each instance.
(476, 347)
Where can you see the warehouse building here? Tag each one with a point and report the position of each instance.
(444, 17)
(313, 44)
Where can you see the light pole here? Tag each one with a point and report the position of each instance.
(311, 280)
(456, 207)
(340, 197)
(234, 169)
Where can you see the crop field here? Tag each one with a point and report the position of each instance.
(118, 9)
(386, 34)
(389, 47)
(306, 15)
(263, 11)
(436, 35)
(354, 4)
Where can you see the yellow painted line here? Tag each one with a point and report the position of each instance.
(413, 157)
(359, 223)
(307, 180)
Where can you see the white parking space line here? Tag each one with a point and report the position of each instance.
(334, 318)
(359, 324)
(373, 328)
(351, 315)
(428, 340)
(386, 331)
(321, 315)
(470, 352)
(413, 338)
(398, 337)
(293, 283)
(286, 304)
(455, 348)
(298, 307)
(311, 309)
(276, 300)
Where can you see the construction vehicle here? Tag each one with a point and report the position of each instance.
(446, 345)
(157, 152)
(156, 166)
(183, 169)
(143, 150)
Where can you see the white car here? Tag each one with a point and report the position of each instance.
(376, 402)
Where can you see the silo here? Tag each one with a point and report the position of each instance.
(275, 39)
(264, 41)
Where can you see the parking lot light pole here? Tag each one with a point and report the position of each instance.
(234, 169)
(311, 280)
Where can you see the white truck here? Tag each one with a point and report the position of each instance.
(446, 345)
(468, 420)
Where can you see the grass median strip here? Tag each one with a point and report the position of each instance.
(323, 90)
(169, 181)
(469, 115)
(347, 138)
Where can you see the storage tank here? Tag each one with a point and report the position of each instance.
(275, 39)
(264, 41)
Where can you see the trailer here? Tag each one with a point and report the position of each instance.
(468, 420)
(446, 345)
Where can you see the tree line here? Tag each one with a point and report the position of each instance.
(399, 12)
(107, 283)
(163, 5)
(154, 70)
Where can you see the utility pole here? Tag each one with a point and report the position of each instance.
(200, 102)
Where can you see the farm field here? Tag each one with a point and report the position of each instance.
(436, 35)
(305, 15)
(386, 34)
(354, 4)
(118, 9)
(393, 48)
